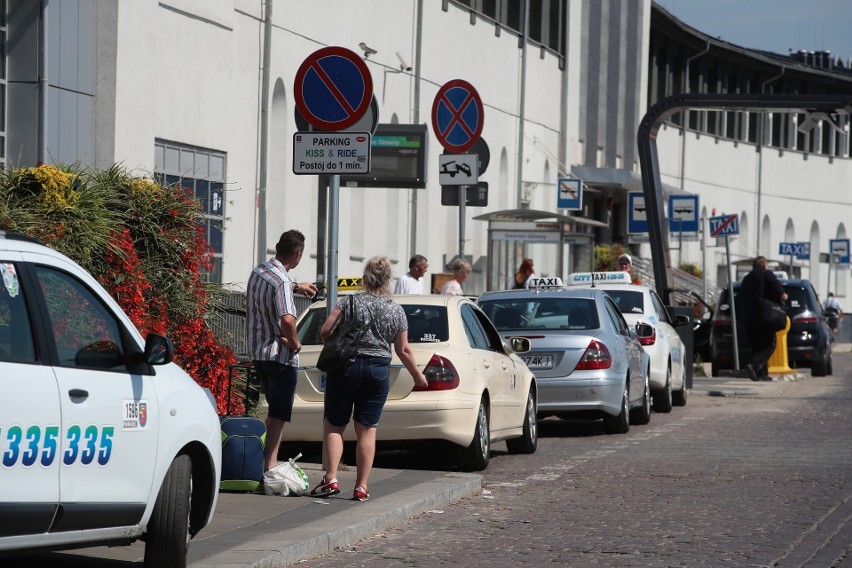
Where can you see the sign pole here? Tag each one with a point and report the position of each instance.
(333, 231)
(462, 204)
(733, 305)
(828, 278)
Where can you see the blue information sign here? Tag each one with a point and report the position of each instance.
(570, 194)
(683, 213)
(839, 250)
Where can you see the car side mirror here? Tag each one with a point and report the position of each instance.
(644, 330)
(158, 349)
(519, 344)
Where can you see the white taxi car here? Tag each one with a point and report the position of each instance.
(479, 392)
(641, 304)
(103, 440)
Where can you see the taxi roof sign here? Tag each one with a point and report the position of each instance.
(585, 278)
(350, 283)
(539, 282)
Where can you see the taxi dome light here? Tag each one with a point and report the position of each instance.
(586, 278)
(540, 282)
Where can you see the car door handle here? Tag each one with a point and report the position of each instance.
(486, 364)
(78, 393)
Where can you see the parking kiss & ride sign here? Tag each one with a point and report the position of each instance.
(331, 153)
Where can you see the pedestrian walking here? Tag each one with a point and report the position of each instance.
(412, 281)
(360, 391)
(461, 270)
(833, 311)
(758, 284)
(271, 333)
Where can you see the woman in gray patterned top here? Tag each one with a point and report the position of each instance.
(363, 386)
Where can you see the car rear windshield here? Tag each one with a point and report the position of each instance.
(542, 313)
(628, 301)
(426, 324)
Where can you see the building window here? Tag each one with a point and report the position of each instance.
(203, 172)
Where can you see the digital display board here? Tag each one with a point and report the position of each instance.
(397, 158)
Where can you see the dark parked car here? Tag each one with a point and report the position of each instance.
(808, 340)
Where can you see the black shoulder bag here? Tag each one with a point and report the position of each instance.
(340, 348)
(774, 314)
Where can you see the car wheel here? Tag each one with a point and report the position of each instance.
(642, 415)
(663, 398)
(829, 368)
(819, 366)
(714, 369)
(475, 457)
(167, 536)
(619, 424)
(528, 442)
(679, 397)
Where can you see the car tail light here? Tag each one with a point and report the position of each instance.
(441, 374)
(596, 357)
(806, 317)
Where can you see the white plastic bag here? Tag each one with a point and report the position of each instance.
(286, 479)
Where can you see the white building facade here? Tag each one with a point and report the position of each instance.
(201, 92)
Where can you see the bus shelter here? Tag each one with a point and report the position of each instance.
(558, 244)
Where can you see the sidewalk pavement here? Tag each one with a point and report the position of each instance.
(257, 530)
(253, 530)
(738, 383)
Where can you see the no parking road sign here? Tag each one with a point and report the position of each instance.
(457, 116)
(333, 88)
(724, 226)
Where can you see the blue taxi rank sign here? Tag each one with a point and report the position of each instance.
(800, 250)
(333, 88)
(457, 116)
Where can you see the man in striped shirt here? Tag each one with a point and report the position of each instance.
(271, 329)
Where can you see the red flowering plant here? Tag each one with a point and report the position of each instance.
(143, 242)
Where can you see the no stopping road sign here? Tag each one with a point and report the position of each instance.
(333, 88)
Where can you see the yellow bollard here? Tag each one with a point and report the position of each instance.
(778, 361)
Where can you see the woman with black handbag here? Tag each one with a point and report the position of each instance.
(363, 386)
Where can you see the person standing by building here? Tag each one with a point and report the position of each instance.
(412, 281)
(271, 333)
(461, 270)
(522, 277)
(363, 387)
(761, 283)
(625, 263)
(834, 311)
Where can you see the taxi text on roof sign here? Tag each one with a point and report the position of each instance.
(541, 282)
(579, 278)
(350, 283)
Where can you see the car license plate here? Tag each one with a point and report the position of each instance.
(538, 361)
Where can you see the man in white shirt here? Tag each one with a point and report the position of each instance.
(412, 281)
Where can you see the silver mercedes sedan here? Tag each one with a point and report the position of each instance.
(587, 359)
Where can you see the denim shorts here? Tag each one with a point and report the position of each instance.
(363, 387)
(279, 383)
